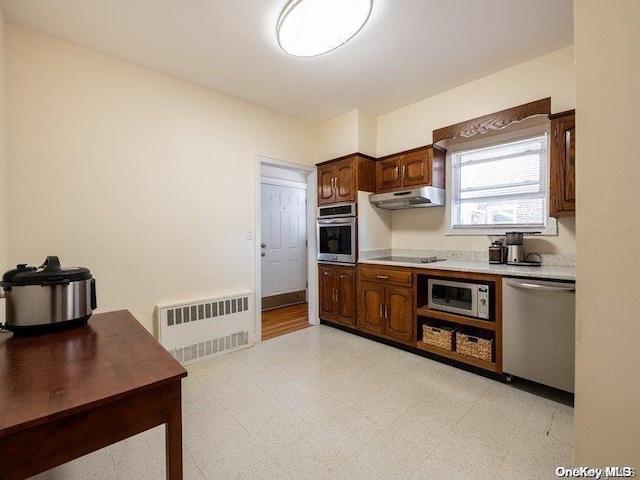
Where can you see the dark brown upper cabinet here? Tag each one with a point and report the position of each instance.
(339, 180)
(413, 168)
(562, 186)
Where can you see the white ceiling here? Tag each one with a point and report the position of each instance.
(409, 49)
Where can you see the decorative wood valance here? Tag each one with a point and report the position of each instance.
(493, 121)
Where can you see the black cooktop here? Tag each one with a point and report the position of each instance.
(396, 258)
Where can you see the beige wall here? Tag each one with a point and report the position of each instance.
(547, 76)
(551, 75)
(4, 249)
(374, 225)
(367, 133)
(607, 413)
(355, 131)
(145, 179)
(4, 211)
(337, 137)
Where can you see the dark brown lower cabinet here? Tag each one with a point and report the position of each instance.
(399, 314)
(337, 285)
(386, 309)
(371, 307)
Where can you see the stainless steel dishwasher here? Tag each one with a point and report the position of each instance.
(538, 327)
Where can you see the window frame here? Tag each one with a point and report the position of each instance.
(551, 228)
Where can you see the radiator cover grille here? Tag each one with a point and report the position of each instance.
(195, 330)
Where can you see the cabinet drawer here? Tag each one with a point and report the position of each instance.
(397, 276)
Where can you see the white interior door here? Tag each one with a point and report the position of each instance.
(283, 239)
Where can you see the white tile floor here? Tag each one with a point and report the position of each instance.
(324, 404)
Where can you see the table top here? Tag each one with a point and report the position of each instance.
(50, 376)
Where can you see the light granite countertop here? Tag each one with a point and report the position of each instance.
(551, 272)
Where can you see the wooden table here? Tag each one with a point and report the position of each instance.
(66, 394)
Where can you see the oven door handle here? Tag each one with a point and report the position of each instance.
(329, 221)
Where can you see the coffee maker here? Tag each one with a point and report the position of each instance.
(515, 252)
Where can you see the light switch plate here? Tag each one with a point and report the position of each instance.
(249, 234)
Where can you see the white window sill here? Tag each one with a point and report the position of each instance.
(550, 231)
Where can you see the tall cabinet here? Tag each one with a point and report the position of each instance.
(339, 181)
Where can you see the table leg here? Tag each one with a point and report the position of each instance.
(173, 433)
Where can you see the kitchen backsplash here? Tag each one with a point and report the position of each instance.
(558, 260)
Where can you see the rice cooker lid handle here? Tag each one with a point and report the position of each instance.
(51, 265)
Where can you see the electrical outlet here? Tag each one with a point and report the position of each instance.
(249, 234)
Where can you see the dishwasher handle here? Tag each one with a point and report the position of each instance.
(536, 286)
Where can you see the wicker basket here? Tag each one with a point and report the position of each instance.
(474, 346)
(442, 337)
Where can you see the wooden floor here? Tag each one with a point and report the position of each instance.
(283, 320)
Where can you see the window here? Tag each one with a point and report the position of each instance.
(499, 186)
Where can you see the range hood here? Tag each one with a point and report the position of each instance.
(417, 198)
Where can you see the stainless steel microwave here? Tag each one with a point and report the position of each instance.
(470, 299)
(337, 232)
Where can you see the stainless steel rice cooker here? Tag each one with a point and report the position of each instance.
(47, 298)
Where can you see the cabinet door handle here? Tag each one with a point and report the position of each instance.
(381, 311)
(403, 171)
(336, 294)
(336, 183)
(383, 277)
(386, 311)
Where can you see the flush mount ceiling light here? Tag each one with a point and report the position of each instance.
(312, 27)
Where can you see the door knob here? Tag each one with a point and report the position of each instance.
(263, 245)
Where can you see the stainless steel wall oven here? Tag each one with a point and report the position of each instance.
(337, 233)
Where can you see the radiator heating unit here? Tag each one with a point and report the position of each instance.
(192, 331)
